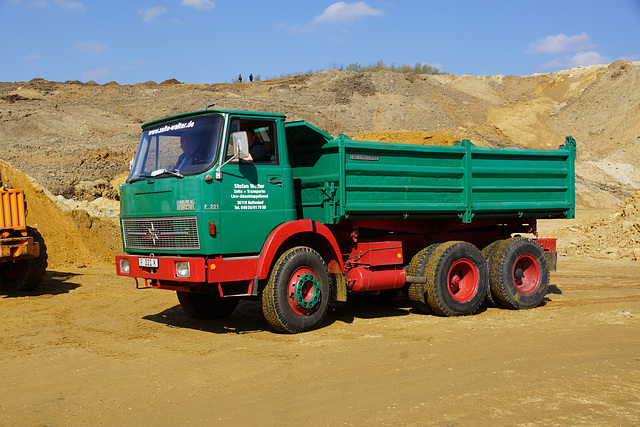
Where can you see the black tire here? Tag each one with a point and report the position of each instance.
(415, 291)
(26, 274)
(296, 297)
(488, 252)
(206, 306)
(457, 279)
(519, 273)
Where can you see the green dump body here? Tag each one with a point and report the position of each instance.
(338, 179)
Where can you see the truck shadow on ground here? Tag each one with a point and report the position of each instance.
(247, 317)
(54, 283)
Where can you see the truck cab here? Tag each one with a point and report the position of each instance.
(206, 214)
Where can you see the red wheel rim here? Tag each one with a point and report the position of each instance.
(526, 274)
(303, 291)
(462, 280)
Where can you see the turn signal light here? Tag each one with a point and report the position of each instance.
(212, 228)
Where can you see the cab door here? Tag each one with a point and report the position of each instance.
(252, 193)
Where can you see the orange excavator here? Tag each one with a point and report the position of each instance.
(23, 253)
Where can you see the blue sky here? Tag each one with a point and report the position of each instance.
(212, 41)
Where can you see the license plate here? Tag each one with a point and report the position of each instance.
(148, 262)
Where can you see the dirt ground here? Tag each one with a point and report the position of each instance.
(87, 348)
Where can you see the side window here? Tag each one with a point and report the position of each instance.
(262, 139)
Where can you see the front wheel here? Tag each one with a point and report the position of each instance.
(456, 275)
(296, 297)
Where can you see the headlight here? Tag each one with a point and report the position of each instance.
(182, 269)
(124, 265)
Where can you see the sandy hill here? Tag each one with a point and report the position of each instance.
(76, 139)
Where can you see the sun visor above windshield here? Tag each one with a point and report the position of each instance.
(301, 133)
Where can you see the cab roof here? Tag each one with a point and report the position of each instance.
(257, 114)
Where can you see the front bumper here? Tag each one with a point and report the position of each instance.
(167, 268)
(233, 276)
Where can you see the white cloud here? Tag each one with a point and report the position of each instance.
(91, 47)
(64, 4)
(342, 12)
(30, 57)
(561, 43)
(631, 58)
(150, 14)
(71, 5)
(436, 65)
(579, 59)
(555, 63)
(96, 74)
(198, 4)
(589, 58)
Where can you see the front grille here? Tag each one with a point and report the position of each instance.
(161, 233)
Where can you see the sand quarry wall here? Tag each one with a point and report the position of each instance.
(76, 139)
(617, 236)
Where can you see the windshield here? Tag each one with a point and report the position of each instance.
(177, 148)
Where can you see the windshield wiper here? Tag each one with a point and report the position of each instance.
(156, 174)
(160, 172)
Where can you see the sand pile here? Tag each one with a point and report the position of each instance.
(615, 237)
(409, 137)
(71, 234)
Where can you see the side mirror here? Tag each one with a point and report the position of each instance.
(240, 145)
(240, 150)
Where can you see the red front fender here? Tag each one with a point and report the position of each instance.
(289, 229)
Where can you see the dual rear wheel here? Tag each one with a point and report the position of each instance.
(513, 273)
(518, 273)
(456, 279)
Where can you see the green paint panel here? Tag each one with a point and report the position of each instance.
(356, 179)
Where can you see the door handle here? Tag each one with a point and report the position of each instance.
(275, 180)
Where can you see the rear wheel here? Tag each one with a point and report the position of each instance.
(206, 306)
(415, 291)
(456, 275)
(296, 297)
(25, 274)
(519, 273)
(488, 252)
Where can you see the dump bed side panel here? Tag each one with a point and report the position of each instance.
(353, 179)
(534, 183)
(400, 179)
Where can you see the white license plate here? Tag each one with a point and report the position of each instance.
(148, 262)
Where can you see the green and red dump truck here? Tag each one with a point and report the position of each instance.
(321, 217)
